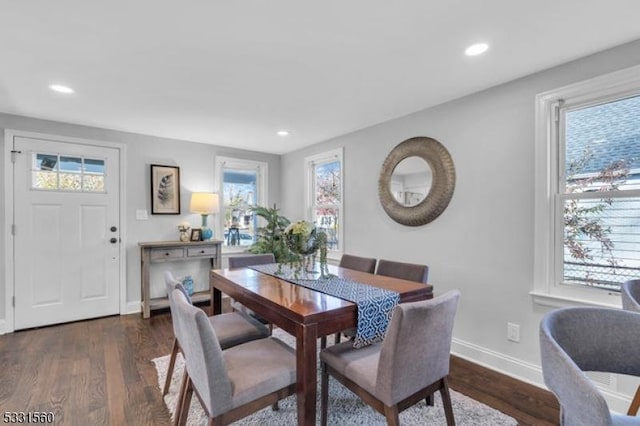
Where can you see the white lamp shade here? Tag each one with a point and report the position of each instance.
(204, 203)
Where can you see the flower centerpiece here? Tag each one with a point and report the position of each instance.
(304, 241)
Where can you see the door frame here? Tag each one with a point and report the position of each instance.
(9, 135)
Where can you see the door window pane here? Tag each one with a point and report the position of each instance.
(55, 172)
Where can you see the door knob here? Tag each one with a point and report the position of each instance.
(113, 240)
(113, 229)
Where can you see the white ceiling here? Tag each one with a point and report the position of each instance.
(234, 72)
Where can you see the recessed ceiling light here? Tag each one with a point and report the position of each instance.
(283, 133)
(60, 88)
(476, 49)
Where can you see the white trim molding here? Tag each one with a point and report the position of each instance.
(134, 307)
(3, 327)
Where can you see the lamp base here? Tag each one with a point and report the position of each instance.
(207, 234)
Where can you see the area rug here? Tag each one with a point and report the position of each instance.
(345, 408)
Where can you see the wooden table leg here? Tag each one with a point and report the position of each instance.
(306, 354)
(216, 300)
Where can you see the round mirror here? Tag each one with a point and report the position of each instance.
(417, 181)
(411, 181)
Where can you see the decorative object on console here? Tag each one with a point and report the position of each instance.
(205, 203)
(184, 232)
(165, 189)
(187, 282)
(196, 234)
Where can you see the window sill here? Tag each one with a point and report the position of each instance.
(561, 301)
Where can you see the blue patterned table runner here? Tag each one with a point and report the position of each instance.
(375, 305)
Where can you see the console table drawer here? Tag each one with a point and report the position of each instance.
(201, 251)
(158, 255)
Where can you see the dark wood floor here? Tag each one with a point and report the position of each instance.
(99, 372)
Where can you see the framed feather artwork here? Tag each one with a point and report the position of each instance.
(165, 189)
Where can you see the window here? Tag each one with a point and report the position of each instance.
(589, 140)
(242, 185)
(324, 195)
(54, 172)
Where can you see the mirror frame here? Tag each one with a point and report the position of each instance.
(442, 184)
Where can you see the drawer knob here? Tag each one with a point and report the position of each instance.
(166, 254)
(202, 251)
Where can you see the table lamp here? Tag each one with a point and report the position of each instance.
(205, 203)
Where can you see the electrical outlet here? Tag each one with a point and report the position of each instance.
(513, 332)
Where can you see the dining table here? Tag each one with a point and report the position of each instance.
(304, 313)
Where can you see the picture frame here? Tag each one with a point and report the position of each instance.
(165, 189)
(196, 234)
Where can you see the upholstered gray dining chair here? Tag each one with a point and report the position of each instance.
(579, 339)
(233, 383)
(404, 368)
(357, 263)
(388, 268)
(631, 302)
(231, 328)
(405, 271)
(250, 260)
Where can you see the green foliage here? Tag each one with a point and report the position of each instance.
(270, 237)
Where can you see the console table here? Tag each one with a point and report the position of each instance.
(172, 251)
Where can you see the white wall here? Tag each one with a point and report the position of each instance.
(483, 242)
(196, 162)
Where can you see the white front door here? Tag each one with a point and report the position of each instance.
(67, 229)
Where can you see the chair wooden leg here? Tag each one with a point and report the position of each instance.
(336, 338)
(635, 404)
(430, 400)
(446, 402)
(391, 413)
(323, 342)
(172, 363)
(324, 395)
(181, 394)
(275, 406)
(186, 403)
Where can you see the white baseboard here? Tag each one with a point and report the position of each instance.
(524, 371)
(505, 364)
(133, 307)
(3, 327)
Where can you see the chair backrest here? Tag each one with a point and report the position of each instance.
(254, 259)
(416, 349)
(578, 339)
(405, 271)
(203, 355)
(172, 283)
(631, 295)
(357, 263)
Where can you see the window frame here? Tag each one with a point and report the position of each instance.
(310, 163)
(548, 288)
(262, 186)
